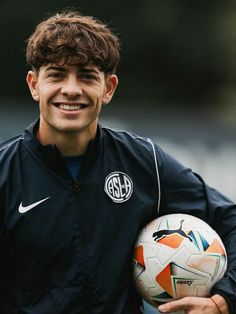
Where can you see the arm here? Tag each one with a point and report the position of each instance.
(196, 305)
(184, 191)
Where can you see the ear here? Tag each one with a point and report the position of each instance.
(111, 82)
(32, 81)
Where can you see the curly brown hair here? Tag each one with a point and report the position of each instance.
(70, 38)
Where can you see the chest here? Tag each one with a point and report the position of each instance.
(42, 211)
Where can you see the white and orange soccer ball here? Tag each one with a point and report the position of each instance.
(175, 256)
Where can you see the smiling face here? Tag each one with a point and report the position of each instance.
(70, 99)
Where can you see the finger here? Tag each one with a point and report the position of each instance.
(173, 306)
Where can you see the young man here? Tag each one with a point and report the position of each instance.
(74, 194)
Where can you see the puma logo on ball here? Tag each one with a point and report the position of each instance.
(166, 232)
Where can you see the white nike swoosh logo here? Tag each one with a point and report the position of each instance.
(24, 209)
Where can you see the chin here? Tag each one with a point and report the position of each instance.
(71, 130)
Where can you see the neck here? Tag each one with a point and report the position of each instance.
(70, 143)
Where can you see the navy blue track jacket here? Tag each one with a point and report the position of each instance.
(66, 245)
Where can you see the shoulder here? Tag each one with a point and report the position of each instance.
(143, 148)
(137, 143)
(126, 138)
(9, 156)
(9, 146)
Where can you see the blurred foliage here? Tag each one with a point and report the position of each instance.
(173, 51)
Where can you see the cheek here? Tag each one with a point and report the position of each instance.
(95, 91)
(44, 99)
(47, 90)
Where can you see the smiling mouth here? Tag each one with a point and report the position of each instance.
(71, 107)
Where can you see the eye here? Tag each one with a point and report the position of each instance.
(55, 74)
(89, 77)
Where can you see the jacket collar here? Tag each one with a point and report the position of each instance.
(50, 155)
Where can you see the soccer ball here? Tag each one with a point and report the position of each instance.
(175, 256)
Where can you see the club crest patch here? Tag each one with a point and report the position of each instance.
(118, 186)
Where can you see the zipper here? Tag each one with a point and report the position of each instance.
(76, 186)
(85, 271)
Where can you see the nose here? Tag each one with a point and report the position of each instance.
(71, 87)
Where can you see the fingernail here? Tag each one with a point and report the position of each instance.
(162, 308)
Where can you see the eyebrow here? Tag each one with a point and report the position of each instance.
(55, 68)
(88, 70)
(80, 69)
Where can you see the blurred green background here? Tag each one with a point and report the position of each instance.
(177, 75)
(172, 51)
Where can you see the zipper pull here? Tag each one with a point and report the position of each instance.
(76, 186)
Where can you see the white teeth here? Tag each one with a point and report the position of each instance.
(70, 107)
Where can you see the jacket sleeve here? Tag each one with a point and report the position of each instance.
(185, 191)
